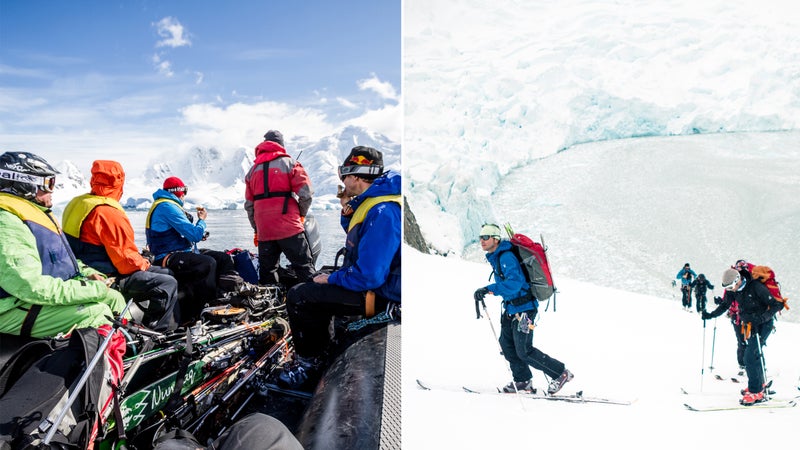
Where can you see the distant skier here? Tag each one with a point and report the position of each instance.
(757, 308)
(686, 275)
(701, 286)
(519, 311)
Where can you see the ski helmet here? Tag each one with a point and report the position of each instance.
(22, 174)
(364, 162)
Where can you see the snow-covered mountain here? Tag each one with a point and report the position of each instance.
(215, 177)
(493, 86)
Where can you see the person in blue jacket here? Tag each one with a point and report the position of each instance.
(519, 311)
(369, 279)
(172, 237)
(686, 275)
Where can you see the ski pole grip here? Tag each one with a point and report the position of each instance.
(477, 308)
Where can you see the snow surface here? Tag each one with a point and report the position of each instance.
(618, 344)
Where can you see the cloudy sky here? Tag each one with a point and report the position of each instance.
(136, 79)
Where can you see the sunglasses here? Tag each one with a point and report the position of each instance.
(485, 237)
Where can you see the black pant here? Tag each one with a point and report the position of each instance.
(297, 251)
(741, 343)
(701, 301)
(752, 356)
(155, 291)
(520, 353)
(196, 275)
(311, 306)
(686, 299)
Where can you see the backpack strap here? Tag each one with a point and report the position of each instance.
(30, 319)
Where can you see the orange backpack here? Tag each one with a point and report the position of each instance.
(766, 276)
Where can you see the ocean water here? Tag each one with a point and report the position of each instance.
(230, 229)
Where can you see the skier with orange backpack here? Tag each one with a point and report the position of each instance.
(757, 307)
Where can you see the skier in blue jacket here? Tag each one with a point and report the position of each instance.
(516, 322)
(369, 279)
(686, 275)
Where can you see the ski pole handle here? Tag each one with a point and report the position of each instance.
(477, 308)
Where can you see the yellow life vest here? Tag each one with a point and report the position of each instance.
(361, 213)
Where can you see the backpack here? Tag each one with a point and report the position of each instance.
(532, 257)
(35, 385)
(766, 276)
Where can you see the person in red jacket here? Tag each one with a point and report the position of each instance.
(100, 233)
(278, 195)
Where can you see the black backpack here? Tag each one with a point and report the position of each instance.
(35, 384)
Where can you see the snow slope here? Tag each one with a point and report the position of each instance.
(618, 344)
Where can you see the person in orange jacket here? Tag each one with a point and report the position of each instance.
(101, 235)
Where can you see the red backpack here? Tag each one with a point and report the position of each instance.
(532, 257)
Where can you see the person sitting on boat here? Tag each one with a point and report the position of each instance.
(44, 289)
(101, 235)
(172, 237)
(369, 279)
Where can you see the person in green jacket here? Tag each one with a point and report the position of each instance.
(44, 289)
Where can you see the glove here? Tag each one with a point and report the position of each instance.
(705, 315)
(480, 294)
(255, 239)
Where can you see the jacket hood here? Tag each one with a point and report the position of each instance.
(161, 193)
(268, 150)
(107, 179)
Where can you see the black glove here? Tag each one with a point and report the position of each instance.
(705, 315)
(479, 295)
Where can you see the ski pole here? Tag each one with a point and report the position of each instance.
(713, 343)
(86, 374)
(763, 364)
(496, 339)
(703, 364)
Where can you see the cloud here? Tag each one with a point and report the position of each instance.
(346, 103)
(244, 124)
(173, 33)
(163, 67)
(382, 88)
(387, 120)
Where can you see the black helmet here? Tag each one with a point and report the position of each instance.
(22, 173)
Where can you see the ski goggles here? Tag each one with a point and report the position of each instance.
(733, 284)
(359, 170)
(183, 189)
(46, 184)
